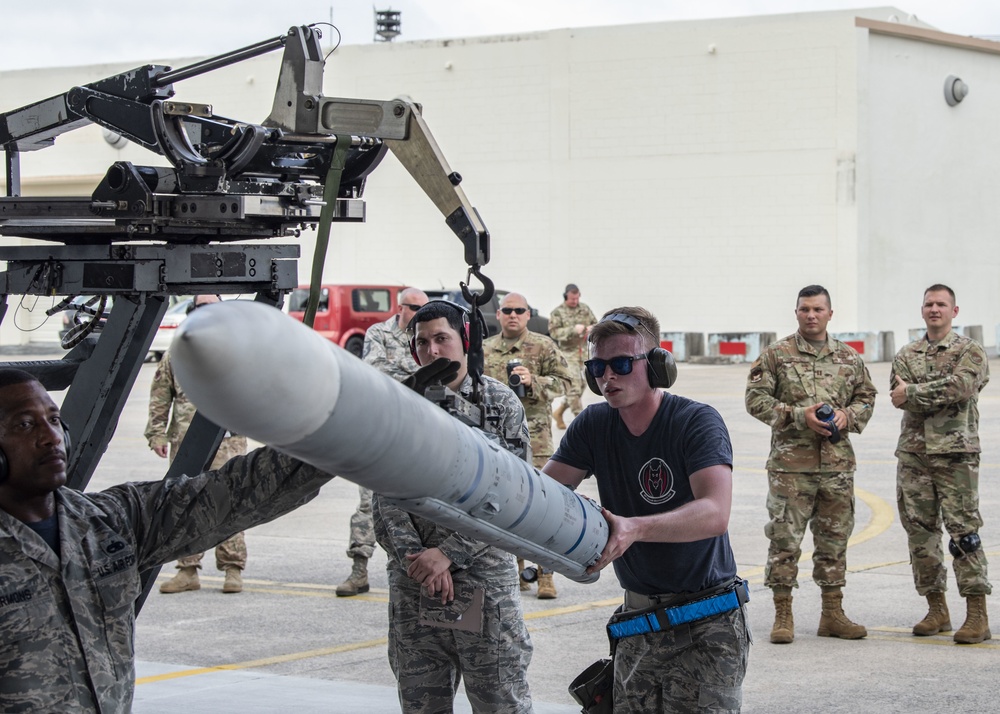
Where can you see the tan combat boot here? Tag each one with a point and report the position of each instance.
(976, 627)
(357, 581)
(234, 580)
(937, 618)
(186, 579)
(546, 586)
(783, 632)
(557, 415)
(520, 581)
(834, 623)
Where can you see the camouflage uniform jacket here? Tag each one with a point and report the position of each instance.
(387, 349)
(791, 375)
(550, 378)
(562, 328)
(941, 412)
(67, 622)
(168, 401)
(401, 533)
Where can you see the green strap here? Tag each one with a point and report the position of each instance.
(330, 190)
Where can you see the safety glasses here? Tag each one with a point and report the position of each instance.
(410, 305)
(621, 365)
(515, 310)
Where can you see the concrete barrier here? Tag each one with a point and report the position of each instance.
(683, 345)
(974, 332)
(737, 346)
(872, 346)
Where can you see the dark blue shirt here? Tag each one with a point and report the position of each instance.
(649, 474)
(48, 529)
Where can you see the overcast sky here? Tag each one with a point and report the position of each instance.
(47, 33)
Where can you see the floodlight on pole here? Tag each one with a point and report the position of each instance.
(387, 25)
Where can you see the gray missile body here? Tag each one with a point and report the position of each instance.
(255, 371)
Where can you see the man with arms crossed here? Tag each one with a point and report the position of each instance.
(936, 383)
(663, 465)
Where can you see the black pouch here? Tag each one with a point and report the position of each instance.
(594, 687)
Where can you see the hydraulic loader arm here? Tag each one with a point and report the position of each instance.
(422, 157)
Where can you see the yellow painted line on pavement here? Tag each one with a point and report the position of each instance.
(904, 634)
(882, 517)
(275, 587)
(283, 590)
(327, 651)
(570, 609)
(293, 657)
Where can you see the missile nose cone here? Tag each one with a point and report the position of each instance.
(232, 357)
(208, 333)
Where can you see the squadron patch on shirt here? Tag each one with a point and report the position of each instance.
(976, 358)
(756, 372)
(656, 481)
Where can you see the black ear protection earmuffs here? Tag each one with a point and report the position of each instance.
(67, 445)
(661, 369)
(412, 327)
(192, 306)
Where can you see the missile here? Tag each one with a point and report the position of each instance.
(255, 371)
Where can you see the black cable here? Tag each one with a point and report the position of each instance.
(340, 38)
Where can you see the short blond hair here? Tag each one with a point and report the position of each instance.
(648, 327)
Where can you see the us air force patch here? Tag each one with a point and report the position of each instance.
(656, 481)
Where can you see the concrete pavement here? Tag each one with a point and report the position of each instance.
(287, 643)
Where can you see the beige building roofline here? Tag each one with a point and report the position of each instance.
(922, 34)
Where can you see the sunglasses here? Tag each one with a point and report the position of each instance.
(410, 305)
(516, 310)
(620, 365)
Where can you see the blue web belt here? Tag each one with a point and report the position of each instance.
(666, 617)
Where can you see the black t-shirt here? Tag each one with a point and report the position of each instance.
(648, 474)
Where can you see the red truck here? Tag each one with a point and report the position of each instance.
(345, 312)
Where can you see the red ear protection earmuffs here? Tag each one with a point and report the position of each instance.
(662, 370)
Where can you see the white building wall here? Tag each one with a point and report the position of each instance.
(639, 164)
(934, 214)
(706, 170)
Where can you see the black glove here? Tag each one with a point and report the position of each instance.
(440, 371)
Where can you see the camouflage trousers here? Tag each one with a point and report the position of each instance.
(232, 551)
(429, 662)
(229, 553)
(935, 490)
(823, 501)
(575, 390)
(697, 667)
(362, 543)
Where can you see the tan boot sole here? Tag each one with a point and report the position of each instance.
(353, 591)
(974, 640)
(782, 638)
(167, 590)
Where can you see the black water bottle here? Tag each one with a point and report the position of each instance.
(825, 415)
